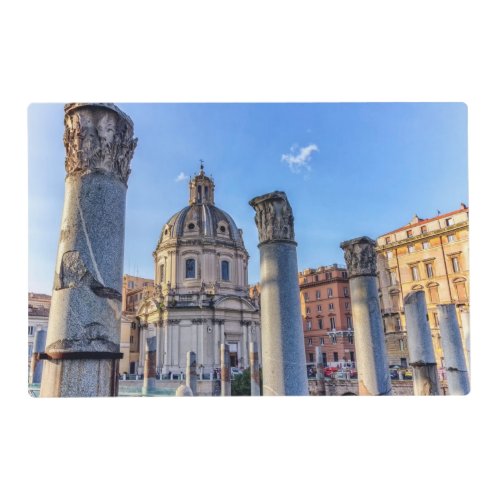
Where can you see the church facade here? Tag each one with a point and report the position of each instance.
(200, 297)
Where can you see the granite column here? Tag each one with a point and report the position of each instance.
(373, 364)
(465, 317)
(254, 370)
(191, 371)
(421, 350)
(320, 373)
(36, 368)
(83, 337)
(453, 352)
(150, 369)
(225, 375)
(283, 354)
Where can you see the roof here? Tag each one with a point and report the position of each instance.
(207, 217)
(425, 221)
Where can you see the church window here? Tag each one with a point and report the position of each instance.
(225, 270)
(199, 194)
(191, 226)
(190, 268)
(222, 229)
(161, 273)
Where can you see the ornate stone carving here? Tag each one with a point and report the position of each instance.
(273, 217)
(360, 256)
(173, 321)
(98, 138)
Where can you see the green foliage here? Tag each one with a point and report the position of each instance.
(240, 385)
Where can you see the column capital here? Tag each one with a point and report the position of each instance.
(360, 256)
(273, 217)
(98, 137)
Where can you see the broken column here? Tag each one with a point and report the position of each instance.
(149, 385)
(83, 337)
(191, 371)
(283, 354)
(453, 352)
(421, 350)
(225, 375)
(372, 364)
(320, 373)
(36, 367)
(464, 316)
(254, 370)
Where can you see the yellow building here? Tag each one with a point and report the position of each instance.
(430, 255)
(134, 290)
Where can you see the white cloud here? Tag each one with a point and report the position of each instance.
(181, 177)
(301, 160)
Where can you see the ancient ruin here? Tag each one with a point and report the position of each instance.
(83, 338)
(283, 355)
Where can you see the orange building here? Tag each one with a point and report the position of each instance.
(430, 255)
(326, 307)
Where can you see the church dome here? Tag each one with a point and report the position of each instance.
(201, 218)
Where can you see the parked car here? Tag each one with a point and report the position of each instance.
(330, 371)
(235, 371)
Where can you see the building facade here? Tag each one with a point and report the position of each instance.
(326, 308)
(200, 296)
(430, 255)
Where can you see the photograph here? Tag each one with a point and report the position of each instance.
(248, 249)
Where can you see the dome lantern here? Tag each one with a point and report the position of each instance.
(201, 188)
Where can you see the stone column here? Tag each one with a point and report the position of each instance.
(254, 370)
(453, 352)
(83, 337)
(191, 371)
(225, 364)
(244, 350)
(421, 350)
(320, 373)
(142, 342)
(464, 316)
(36, 368)
(373, 364)
(282, 348)
(149, 385)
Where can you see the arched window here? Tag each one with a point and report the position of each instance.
(190, 268)
(225, 270)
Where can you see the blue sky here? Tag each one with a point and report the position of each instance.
(348, 170)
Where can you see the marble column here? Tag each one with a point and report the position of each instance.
(191, 379)
(320, 373)
(420, 348)
(83, 337)
(36, 368)
(283, 354)
(464, 316)
(372, 364)
(254, 370)
(225, 377)
(453, 352)
(149, 385)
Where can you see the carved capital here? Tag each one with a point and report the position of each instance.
(360, 256)
(173, 321)
(273, 217)
(98, 138)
